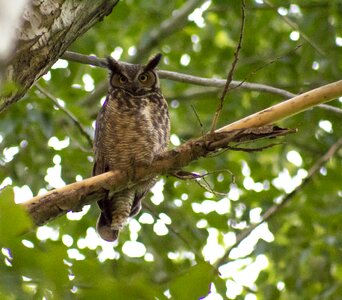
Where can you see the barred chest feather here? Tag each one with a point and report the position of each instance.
(133, 128)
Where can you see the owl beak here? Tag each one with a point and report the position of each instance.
(135, 87)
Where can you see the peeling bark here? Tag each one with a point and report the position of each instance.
(48, 28)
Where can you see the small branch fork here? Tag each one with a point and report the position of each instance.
(269, 213)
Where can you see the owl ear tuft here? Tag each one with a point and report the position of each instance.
(153, 62)
(113, 65)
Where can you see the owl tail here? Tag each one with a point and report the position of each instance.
(115, 210)
(105, 230)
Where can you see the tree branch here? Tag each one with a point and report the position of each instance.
(74, 196)
(296, 27)
(210, 82)
(181, 77)
(232, 69)
(44, 35)
(288, 108)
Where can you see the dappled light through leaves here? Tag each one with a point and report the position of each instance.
(225, 232)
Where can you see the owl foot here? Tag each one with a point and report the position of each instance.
(105, 231)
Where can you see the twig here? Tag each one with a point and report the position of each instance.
(296, 27)
(85, 59)
(184, 175)
(254, 149)
(93, 97)
(198, 118)
(69, 114)
(275, 208)
(232, 69)
(195, 94)
(176, 233)
(207, 187)
(270, 62)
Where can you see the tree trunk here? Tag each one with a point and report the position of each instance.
(47, 30)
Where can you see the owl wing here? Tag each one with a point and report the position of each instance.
(100, 165)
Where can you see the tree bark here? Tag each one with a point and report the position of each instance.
(48, 28)
(74, 196)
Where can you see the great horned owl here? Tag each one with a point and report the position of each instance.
(132, 126)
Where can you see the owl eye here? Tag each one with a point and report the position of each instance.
(143, 77)
(122, 79)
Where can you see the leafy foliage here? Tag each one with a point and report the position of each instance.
(169, 250)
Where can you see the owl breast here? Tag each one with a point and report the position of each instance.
(133, 129)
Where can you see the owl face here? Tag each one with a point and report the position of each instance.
(135, 79)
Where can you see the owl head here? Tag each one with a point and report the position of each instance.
(134, 78)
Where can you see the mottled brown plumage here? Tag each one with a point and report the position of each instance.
(132, 126)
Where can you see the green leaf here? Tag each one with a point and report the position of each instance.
(194, 283)
(14, 220)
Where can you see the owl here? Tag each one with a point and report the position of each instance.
(132, 126)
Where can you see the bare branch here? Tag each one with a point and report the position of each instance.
(74, 196)
(232, 69)
(69, 114)
(331, 108)
(269, 213)
(288, 108)
(296, 27)
(180, 77)
(198, 119)
(269, 62)
(85, 59)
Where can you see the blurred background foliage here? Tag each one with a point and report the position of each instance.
(170, 249)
